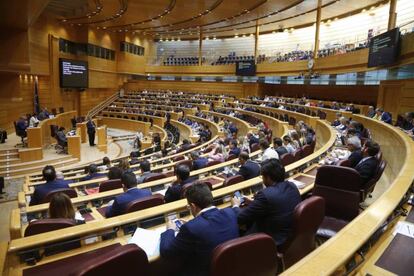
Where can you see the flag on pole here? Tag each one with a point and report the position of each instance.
(36, 106)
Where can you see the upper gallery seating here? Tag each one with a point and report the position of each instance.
(171, 60)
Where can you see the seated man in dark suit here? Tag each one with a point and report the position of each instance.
(272, 208)
(198, 162)
(383, 116)
(197, 238)
(252, 139)
(278, 146)
(61, 137)
(234, 149)
(173, 192)
(21, 126)
(49, 174)
(248, 168)
(185, 146)
(354, 146)
(129, 183)
(145, 171)
(93, 173)
(369, 163)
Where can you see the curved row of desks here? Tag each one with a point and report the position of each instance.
(97, 227)
(397, 149)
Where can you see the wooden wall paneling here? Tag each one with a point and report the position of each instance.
(396, 96)
(14, 56)
(130, 63)
(16, 98)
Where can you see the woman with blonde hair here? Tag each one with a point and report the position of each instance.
(124, 164)
(60, 207)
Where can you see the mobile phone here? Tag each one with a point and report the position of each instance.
(178, 223)
(239, 196)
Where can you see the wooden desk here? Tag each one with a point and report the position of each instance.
(102, 142)
(82, 133)
(74, 146)
(34, 137)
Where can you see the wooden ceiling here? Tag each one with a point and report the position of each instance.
(184, 19)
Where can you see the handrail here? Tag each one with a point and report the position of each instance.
(91, 113)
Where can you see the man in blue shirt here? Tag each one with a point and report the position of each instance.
(49, 174)
(129, 183)
(233, 148)
(196, 239)
(271, 210)
(173, 192)
(198, 162)
(93, 173)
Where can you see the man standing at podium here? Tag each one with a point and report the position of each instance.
(91, 131)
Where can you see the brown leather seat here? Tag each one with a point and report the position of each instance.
(306, 150)
(126, 260)
(45, 225)
(339, 178)
(287, 159)
(111, 184)
(297, 154)
(249, 255)
(341, 207)
(255, 147)
(231, 157)
(178, 158)
(233, 180)
(146, 202)
(369, 187)
(344, 163)
(154, 177)
(68, 191)
(307, 217)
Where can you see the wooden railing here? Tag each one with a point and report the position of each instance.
(94, 111)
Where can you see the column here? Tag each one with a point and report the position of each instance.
(392, 19)
(256, 41)
(200, 48)
(318, 23)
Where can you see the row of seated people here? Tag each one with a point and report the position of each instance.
(177, 96)
(306, 102)
(255, 199)
(171, 60)
(210, 224)
(214, 226)
(231, 59)
(406, 123)
(305, 55)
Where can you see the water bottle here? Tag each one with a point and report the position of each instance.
(23, 215)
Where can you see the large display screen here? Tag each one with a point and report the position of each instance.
(246, 68)
(384, 48)
(73, 73)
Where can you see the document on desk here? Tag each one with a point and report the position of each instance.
(404, 228)
(299, 184)
(148, 240)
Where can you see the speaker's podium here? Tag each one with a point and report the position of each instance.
(102, 138)
(74, 146)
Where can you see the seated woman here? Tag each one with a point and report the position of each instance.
(61, 207)
(217, 154)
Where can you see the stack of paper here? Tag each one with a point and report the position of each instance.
(148, 240)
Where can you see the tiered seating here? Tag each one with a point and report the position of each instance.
(232, 59)
(171, 60)
(302, 169)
